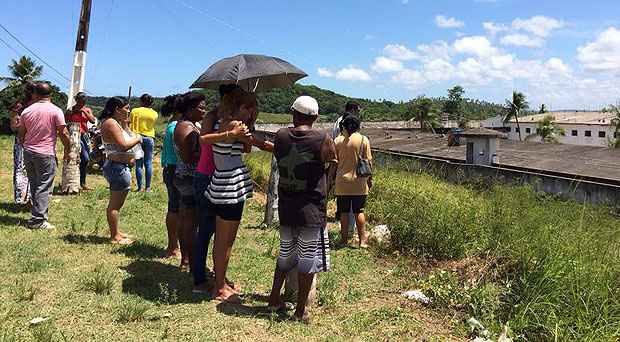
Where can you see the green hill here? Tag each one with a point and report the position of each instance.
(278, 101)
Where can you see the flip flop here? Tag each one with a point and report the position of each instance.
(123, 242)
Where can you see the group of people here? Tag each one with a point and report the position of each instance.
(207, 181)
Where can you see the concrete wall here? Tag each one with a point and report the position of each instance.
(566, 188)
(568, 138)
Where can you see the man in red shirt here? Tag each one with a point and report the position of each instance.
(81, 114)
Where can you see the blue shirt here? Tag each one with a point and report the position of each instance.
(168, 154)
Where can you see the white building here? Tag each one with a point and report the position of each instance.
(580, 128)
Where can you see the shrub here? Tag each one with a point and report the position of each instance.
(131, 309)
(100, 280)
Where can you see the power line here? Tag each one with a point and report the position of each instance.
(33, 53)
(10, 47)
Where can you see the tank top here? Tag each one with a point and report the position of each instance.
(111, 149)
(184, 169)
(231, 182)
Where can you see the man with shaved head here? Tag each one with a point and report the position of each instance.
(41, 124)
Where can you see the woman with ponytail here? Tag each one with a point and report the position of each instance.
(119, 148)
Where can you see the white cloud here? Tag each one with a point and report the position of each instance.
(603, 54)
(413, 79)
(540, 26)
(475, 45)
(518, 39)
(384, 64)
(557, 66)
(352, 73)
(323, 72)
(436, 50)
(438, 70)
(444, 22)
(493, 28)
(399, 52)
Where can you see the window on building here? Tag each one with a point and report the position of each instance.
(601, 134)
(517, 129)
(573, 133)
(616, 135)
(508, 129)
(588, 133)
(528, 130)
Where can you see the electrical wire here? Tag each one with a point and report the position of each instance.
(34, 54)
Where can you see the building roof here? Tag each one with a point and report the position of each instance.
(571, 118)
(482, 132)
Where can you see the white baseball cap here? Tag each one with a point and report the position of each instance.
(306, 105)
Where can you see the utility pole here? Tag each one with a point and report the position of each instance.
(71, 168)
(79, 59)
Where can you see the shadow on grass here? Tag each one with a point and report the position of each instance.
(14, 207)
(85, 239)
(142, 250)
(7, 220)
(241, 310)
(158, 282)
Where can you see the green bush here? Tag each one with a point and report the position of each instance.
(556, 264)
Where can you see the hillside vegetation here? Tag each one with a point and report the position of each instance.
(278, 101)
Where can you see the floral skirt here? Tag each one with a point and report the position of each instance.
(21, 187)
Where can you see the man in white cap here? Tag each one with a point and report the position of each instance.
(303, 154)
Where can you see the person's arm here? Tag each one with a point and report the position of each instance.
(21, 133)
(89, 115)
(330, 158)
(115, 134)
(234, 129)
(63, 134)
(369, 157)
(14, 122)
(264, 145)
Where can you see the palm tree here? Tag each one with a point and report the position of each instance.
(518, 104)
(25, 69)
(425, 112)
(547, 130)
(615, 122)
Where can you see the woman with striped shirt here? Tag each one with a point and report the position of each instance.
(231, 184)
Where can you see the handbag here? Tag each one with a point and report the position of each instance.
(364, 168)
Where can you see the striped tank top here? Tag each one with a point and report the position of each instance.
(231, 182)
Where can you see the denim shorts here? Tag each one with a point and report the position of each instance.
(174, 198)
(118, 175)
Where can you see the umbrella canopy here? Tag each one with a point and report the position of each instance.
(251, 72)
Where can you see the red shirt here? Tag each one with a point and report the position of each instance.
(79, 115)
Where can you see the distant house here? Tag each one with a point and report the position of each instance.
(581, 128)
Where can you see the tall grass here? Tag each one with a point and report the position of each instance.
(556, 264)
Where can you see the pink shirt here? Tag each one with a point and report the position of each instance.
(41, 120)
(206, 166)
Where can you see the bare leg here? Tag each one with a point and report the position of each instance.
(305, 283)
(117, 199)
(225, 234)
(186, 231)
(344, 228)
(275, 298)
(360, 220)
(172, 226)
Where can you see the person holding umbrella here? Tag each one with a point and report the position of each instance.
(231, 184)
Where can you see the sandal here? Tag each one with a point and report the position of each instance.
(123, 242)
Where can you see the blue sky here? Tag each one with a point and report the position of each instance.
(562, 53)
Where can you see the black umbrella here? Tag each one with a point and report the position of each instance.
(251, 72)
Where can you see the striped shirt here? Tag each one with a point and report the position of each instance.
(231, 182)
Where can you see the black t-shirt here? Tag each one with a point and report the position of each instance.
(302, 155)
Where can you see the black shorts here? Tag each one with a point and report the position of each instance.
(185, 187)
(345, 203)
(174, 197)
(228, 212)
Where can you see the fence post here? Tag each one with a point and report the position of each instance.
(271, 210)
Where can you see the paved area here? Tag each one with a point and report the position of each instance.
(577, 160)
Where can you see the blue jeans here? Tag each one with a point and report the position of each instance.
(84, 159)
(206, 228)
(148, 144)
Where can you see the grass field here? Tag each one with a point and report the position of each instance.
(91, 290)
